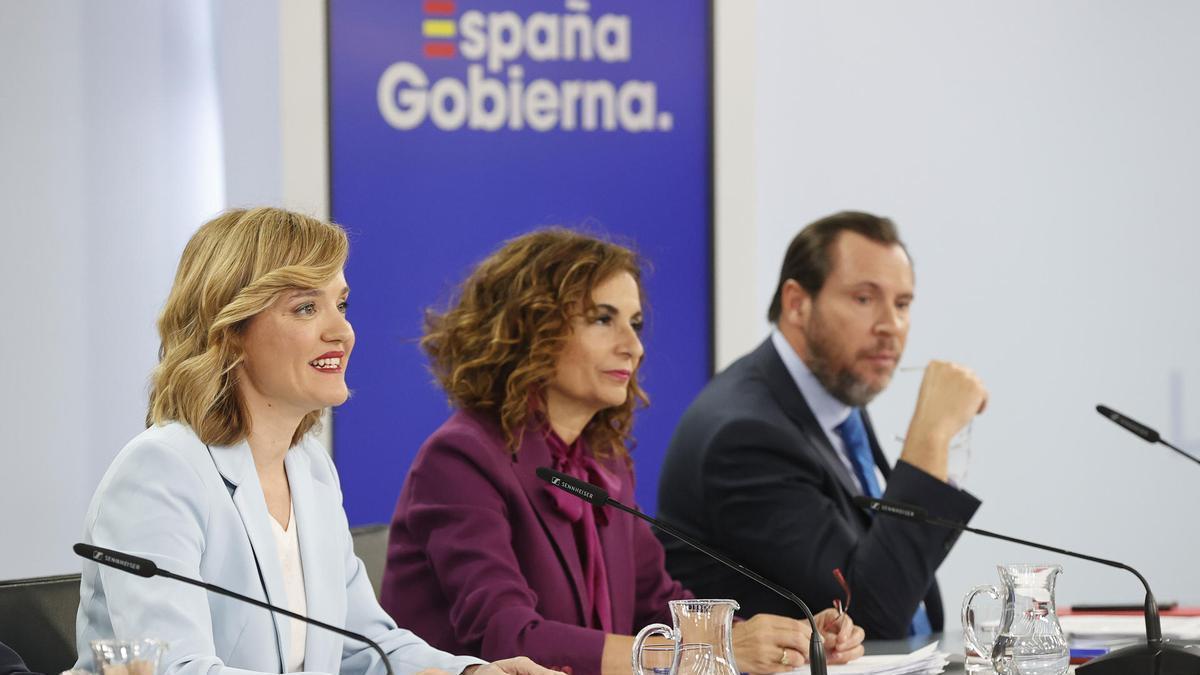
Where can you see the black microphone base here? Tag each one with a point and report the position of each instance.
(1163, 658)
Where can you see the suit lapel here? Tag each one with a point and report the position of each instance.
(876, 450)
(236, 465)
(533, 453)
(319, 562)
(785, 391)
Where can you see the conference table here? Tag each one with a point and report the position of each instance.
(950, 641)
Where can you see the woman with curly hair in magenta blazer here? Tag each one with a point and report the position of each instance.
(539, 355)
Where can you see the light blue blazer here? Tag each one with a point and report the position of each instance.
(199, 511)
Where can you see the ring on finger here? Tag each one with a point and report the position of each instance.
(783, 658)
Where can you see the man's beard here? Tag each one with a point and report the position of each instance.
(840, 382)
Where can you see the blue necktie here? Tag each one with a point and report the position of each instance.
(858, 449)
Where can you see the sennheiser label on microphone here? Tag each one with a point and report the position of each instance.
(894, 510)
(101, 556)
(586, 494)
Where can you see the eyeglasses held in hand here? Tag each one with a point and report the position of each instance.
(841, 607)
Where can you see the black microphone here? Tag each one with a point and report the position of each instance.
(598, 496)
(1156, 656)
(146, 568)
(1140, 430)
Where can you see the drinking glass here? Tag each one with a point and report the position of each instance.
(127, 657)
(689, 658)
(657, 659)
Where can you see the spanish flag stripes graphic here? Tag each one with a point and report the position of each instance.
(439, 29)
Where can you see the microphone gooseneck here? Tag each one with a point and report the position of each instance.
(146, 568)
(1156, 657)
(919, 515)
(1140, 430)
(597, 496)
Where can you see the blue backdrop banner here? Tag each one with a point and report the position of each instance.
(455, 125)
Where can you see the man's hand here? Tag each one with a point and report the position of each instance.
(519, 665)
(951, 395)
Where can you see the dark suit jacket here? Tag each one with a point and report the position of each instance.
(10, 663)
(750, 471)
(482, 562)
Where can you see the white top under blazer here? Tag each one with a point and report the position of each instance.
(200, 512)
(288, 545)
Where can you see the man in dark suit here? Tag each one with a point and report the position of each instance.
(765, 462)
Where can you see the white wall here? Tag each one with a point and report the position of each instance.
(735, 242)
(126, 124)
(111, 158)
(1042, 162)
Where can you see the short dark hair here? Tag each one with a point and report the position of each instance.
(808, 261)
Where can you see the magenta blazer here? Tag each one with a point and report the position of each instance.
(480, 561)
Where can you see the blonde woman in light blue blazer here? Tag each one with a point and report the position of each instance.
(227, 484)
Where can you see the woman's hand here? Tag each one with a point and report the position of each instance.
(519, 665)
(774, 644)
(770, 644)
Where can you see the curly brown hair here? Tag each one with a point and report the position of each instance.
(495, 349)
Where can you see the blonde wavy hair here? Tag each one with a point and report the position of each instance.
(232, 268)
(495, 349)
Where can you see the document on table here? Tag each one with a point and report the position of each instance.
(925, 661)
(1109, 626)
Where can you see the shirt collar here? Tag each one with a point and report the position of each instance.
(829, 411)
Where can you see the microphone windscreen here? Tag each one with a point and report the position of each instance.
(863, 502)
(593, 494)
(122, 561)
(1137, 428)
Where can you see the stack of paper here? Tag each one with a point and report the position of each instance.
(925, 661)
(1111, 627)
